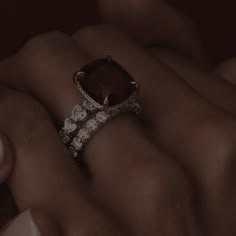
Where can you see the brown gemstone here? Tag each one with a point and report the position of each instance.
(106, 78)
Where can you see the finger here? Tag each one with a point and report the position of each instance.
(209, 85)
(31, 223)
(155, 23)
(48, 68)
(45, 176)
(200, 136)
(227, 70)
(178, 112)
(215, 87)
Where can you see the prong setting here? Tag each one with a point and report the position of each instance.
(106, 103)
(136, 84)
(79, 75)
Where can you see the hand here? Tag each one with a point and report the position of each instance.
(167, 121)
(159, 181)
(35, 153)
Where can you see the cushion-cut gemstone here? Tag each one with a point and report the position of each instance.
(105, 78)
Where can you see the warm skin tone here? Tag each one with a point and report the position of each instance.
(172, 174)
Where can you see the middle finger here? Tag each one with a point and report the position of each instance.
(180, 119)
(198, 134)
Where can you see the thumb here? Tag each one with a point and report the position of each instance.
(6, 158)
(31, 223)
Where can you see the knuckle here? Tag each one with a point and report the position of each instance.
(212, 134)
(31, 118)
(45, 40)
(27, 114)
(18, 102)
(93, 31)
(214, 140)
(162, 181)
(41, 48)
(28, 108)
(41, 54)
(166, 191)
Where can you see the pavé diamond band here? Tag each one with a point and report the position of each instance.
(107, 91)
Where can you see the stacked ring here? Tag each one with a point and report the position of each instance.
(107, 91)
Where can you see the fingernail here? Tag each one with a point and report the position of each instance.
(2, 152)
(22, 225)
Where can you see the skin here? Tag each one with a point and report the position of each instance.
(171, 174)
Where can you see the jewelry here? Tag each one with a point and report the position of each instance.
(107, 90)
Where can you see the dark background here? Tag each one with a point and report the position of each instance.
(216, 21)
(19, 20)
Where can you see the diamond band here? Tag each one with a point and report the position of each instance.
(80, 114)
(87, 132)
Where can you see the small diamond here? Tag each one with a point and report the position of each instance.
(91, 125)
(69, 126)
(101, 116)
(73, 151)
(78, 114)
(89, 106)
(65, 139)
(83, 134)
(77, 143)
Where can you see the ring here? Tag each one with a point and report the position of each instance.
(107, 91)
